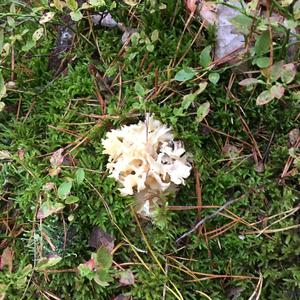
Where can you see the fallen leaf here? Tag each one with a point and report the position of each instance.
(49, 186)
(57, 158)
(231, 151)
(48, 208)
(99, 238)
(54, 171)
(294, 135)
(6, 259)
(126, 278)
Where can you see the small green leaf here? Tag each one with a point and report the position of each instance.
(29, 45)
(277, 91)
(185, 74)
(80, 175)
(104, 258)
(264, 98)
(203, 111)
(97, 2)
(71, 200)
(76, 15)
(296, 10)
(243, 23)
(288, 73)
(202, 87)
(2, 87)
(48, 208)
(214, 77)
(150, 47)
(286, 3)
(72, 4)
(1, 39)
(262, 44)
(102, 277)
(46, 263)
(262, 62)
(64, 190)
(188, 100)
(154, 36)
(139, 89)
(205, 58)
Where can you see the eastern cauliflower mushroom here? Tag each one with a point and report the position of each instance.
(147, 162)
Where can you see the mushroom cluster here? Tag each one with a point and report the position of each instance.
(146, 161)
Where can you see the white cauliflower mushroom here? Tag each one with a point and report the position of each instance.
(146, 161)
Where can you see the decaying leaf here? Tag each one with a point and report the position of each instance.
(57, 158)
(126, 278)
(294, 135)
(231, 151)
(99, 238)
(48, 208)
(6, 259)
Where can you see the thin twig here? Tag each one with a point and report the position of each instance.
(201, 222)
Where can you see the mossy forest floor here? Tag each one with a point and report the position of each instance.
(67, 84)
